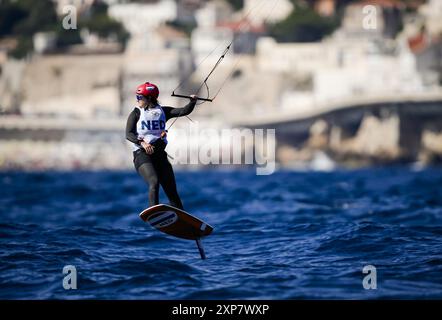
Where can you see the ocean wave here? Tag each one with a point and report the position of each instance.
(290, 235)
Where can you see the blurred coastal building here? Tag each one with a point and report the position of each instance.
(156, 51)
(260, 12)
(210, 36)
(75, 92)
(425, 40)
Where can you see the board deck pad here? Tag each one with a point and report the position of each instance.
(175, 222)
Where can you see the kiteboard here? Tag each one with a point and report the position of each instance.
(177, 223)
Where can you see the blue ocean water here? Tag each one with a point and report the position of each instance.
(290, 235)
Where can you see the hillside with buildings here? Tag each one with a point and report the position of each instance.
(64, 105)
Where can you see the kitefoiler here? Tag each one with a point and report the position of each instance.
(146, 130)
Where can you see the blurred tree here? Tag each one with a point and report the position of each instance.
(10, 15)
(97, 20)
(24, 47)
(236, 4)
(303, 25)
(187, 28)
(67, 38)
(41, 16)
(22, 19)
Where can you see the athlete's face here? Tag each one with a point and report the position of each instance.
(142, 101)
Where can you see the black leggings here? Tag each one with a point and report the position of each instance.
(156, 170)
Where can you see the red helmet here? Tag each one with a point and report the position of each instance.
(148, 90)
